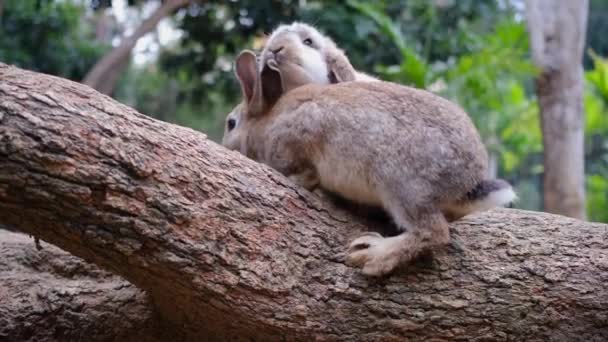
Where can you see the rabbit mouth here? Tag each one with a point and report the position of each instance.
(273, 64)
(273, 61)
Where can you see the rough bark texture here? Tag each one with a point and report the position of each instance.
(557, 38)
(106, 72)
(229, 249)
(50, 295)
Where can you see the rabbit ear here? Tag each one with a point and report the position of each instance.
(261, 91)
(267, 90)
(246, 69)
(340, 69)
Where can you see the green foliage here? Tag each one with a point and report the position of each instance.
(598, 77)
(47, 36)
(597, 198)
(412, 70)
(596, 134)
(595, 113)
(596, 29)
(435, 30)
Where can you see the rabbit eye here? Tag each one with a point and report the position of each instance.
(307, 41)
(231, 124)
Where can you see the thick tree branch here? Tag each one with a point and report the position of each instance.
(50, 295)
(229, 248)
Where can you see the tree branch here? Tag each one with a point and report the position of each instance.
(50, 295)
(228, 248)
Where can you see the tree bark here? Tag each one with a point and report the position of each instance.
(230, 249)
(50, 295)
(557, 38)
(106, 72)
(104, 24)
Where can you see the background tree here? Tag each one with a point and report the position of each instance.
(106, 72)
(557, 36)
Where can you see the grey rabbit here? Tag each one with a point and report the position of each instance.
(407, 150)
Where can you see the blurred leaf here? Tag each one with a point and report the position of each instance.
(413, 68)
(47, 36)
(596, 116)
(598, 76)
(597, 197)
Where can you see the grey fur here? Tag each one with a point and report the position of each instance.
(405, 149)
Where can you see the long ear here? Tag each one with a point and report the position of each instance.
(246, 70)
(340, 69)
(267, 91)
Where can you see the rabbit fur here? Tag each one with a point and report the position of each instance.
(407, 150)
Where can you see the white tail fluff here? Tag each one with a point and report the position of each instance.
(498, 198)
(486, 195)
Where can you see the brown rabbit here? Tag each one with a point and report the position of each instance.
(411, 152)
(312, 58)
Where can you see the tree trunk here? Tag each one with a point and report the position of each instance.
(50, 295)
(104, 25)
(106, 72)
(230, 249)
(557, 38)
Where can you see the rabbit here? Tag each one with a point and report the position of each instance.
(316, 58)
(317, 54)
(411, 152)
